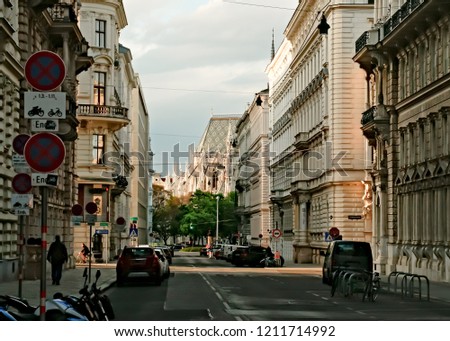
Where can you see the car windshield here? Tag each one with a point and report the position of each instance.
(140, 252)
(352, 249)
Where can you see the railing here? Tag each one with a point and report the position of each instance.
(63, 12)
(407, 287)
(368, 115)
(398, 17)
(362, 41)
(102, 110)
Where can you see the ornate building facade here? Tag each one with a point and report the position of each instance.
(113, 145)
(319, 158)
(251, 171)
(406, 57)
(26, 28)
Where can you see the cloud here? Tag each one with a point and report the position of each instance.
(198, 56)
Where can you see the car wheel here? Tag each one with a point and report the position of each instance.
(168, 273)
(158, 281)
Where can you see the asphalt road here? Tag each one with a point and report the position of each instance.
(204, 291)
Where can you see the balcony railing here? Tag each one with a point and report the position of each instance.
(368, 116)
(102, 110)
(63, 12)
(398, 17)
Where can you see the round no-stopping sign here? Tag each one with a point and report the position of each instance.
(77, 210)
(19, 143)
(44, 152)
(91, 207)
(21, 183)
(45, 70)
(120, 221)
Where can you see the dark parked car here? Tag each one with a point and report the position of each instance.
(346, 255)
(203, 251)
(139, 260)
(248, 255)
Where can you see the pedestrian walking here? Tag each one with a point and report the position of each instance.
(57, 256)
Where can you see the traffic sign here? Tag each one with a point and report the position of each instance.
(19, 143)
(21, 183)
(77, 210)
(121, 221)
(334, 232)
(44, 125)
(44, 152)
(44, 105)
(45, 70)
(102, 231)
(21, 201)
(91, 207)
(44, 179)
(276, 233)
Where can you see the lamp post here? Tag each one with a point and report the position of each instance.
(217, 219)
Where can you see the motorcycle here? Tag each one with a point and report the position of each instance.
(91, 303)
(270, 262)
(36, 111)
(20, 310)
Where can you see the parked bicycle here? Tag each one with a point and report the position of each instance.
(373, 287)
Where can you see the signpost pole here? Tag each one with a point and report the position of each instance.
(90, 253)
(21, 254)
(43, 294)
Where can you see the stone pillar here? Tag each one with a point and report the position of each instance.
(302, 249)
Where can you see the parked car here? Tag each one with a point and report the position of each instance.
(139, 260)
(167, 252)
(248, 255)
(350, 255)
(227, 250)
(204, 251)
(162, 257)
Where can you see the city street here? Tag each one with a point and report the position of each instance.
(202, 289)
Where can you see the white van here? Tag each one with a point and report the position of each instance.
(227, 250)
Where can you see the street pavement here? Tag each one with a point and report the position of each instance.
(72, 280)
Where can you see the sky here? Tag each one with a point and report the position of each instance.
(198, 58)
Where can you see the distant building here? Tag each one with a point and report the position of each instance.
(251, 171)
(209, 168)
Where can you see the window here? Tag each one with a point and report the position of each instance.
(98, 148)
(99, 88)
(100, 33)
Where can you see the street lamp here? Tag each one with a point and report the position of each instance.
(217, 219)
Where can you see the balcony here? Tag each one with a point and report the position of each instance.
(301, 141)
(368, 38)
(375, 121)
(400, 16)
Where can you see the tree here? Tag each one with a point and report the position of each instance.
(199, 215)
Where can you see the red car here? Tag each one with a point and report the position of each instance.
(139, 260)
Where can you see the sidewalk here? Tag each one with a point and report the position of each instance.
(71, 282)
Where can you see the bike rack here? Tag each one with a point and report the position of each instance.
(407, 288)
(396, 274)
(347, 279)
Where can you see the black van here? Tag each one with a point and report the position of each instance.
(344, 254)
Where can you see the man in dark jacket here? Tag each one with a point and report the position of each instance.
(57, 256)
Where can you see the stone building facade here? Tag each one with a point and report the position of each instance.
(112, 149)
(251, 171)
(319, 156)
(406, 57)
(26, 28)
